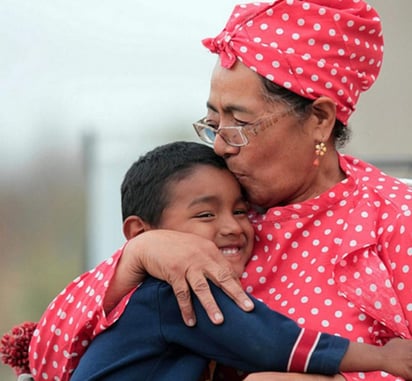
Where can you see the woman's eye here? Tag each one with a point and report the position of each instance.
(235, 122)
(241, 123)
(240, 211)
(211, 124)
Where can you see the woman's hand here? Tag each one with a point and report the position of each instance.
(278, 376)
(183, 260)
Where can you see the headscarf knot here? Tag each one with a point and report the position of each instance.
(221, 46)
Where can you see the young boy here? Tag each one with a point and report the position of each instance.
(185, 186)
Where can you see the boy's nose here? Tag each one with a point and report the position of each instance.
(230, 226)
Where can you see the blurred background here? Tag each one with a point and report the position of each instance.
(87, 86)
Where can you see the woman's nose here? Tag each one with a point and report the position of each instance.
(222, 148)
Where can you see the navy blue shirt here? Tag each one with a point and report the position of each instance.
(151, 342)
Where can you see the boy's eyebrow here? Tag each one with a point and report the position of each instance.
(202, 199)
(205, 199)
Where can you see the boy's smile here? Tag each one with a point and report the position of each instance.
(208, 202)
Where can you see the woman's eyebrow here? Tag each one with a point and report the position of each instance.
(209, 106)
(228, 108)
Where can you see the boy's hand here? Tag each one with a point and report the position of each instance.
(397, 358)
(185, 261)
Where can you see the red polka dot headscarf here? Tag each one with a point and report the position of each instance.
(313, 48)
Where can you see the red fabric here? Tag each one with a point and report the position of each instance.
(339, 263)
(342, 262)
(71, 321)
(313, 48)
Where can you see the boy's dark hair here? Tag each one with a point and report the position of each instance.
(145, 186)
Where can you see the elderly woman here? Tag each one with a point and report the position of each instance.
(334, 234)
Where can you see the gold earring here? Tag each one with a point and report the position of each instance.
(320, 150)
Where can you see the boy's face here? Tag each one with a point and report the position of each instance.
(209, 203)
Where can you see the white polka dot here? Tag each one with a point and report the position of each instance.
(314, 311)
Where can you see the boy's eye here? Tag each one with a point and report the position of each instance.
(204, 215)
(242, 208)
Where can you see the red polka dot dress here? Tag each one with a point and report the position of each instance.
(339, 263)
(342, 262)
(71, 321)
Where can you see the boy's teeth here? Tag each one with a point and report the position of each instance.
(230, 251)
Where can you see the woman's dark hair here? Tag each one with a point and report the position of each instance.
(145, 188)
(302, 107)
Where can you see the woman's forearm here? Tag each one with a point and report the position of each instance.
(128, 274)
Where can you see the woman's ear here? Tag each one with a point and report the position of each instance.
(324, 109)
(133, 226)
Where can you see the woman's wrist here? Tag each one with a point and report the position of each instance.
(128, 274)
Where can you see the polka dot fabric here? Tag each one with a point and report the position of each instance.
(342, 262)
(313, 48)
(339, 263)
(71, 321)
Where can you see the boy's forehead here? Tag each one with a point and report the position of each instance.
(204, 181)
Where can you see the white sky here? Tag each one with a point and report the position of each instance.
(133, 66)
(115, 66)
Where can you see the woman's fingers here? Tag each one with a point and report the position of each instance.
(201, 288)
(227, 280)
(222, 275)
(186, 262)
(182, 292)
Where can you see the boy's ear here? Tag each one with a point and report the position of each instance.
(133, 226)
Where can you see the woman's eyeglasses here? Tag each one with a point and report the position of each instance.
(235, 136)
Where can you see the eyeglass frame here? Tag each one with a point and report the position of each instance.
(270, 120)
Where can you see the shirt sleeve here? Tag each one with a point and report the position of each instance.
(72, 320)
(259, 340)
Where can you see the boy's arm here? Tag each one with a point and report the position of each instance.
(265, 339)
(395, 358)
(259, 340)
(183, 260)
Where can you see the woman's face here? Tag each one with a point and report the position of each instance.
(276, 167)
